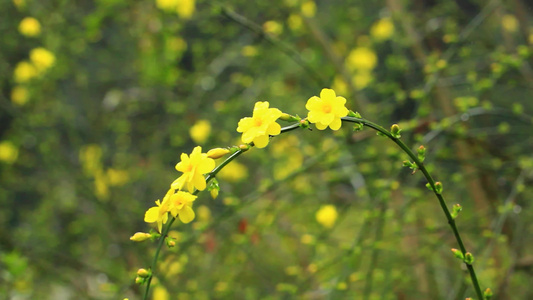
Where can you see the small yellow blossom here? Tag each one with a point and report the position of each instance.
(160, 293)
(326, 215)
(181, 205)
(339, 85)
(30, 27)
(8, 152)
(295, 22)
(140, 236)
(159, 214)
(362, 58)
(42, 59)
(362, 79)
(167, 5)
(249, 51)
(233, 172)
(117, 177)
(510, 23)
(308, 9)
(19, 3)
(326, 110)
(185, 8)
(273, 27)
(200, 131)
(19, 95)
(261, 125)
(193, 168)
(382, 29)
(24, 72)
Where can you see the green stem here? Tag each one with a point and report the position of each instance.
(208, 178)
(431, 181)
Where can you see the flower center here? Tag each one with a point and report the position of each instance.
(326, 107)
(258, 122)
(189, 168)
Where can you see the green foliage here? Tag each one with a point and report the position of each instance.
(89, 139)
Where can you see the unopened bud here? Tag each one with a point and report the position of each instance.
(458, 254)
(469, 258)
(289, 118)
(214, 193)
(139, 280)
(140, 236)
(421, 153)
(395, 131)
(143, 273)
(171, 243)
(244, 147)
(438, 187)
(487, 294)
(456, 209)
(217, 152)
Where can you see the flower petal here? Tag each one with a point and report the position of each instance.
(261, 141)
(335, 124)
(186, 214)
(327, 94)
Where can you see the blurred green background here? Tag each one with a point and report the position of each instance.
(99, 98)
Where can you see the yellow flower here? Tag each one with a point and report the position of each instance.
(382, 29)
(117, 177)
(160, 293)
(24, 72)
(326, 215)
(181, 205)
(233, 172)
(262, 124)
(362, 58)
(19, 95)
(185, 8)
(167, 5)
(200, 131)
(159, 214)
(326, 110)
(30, 27)
(273, 27)
(510, 23)
(193, 168)
(308, 9)
(42, 59)
(8, 152)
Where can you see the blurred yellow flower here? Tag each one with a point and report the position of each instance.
(339, 85)
(42, 59)
(273, 27)
(167, 5)
(8, 152)
(30, 27)
(382, 29)
(249, 51)
(362, 79)
(261, 125)
(117, 177)
(24, 72)
(510, 23)
(326, 110)
(101, 189)
(362, 58)
(193, 168)
(295, 22)
(19, 95)
(233, 172)
(200, 131)
(90, 156)
(186, 8)
(160, 293)
(19, 3)
(308, 9)
(327, 215)
(180, 205)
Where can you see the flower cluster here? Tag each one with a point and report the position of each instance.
(326, 110)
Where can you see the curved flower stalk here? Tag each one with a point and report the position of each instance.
(328, 110)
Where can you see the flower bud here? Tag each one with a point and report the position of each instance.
(487, 294)
(139, 280)
(289, 118)
(469, 258)
(214, 193)
(438, 187)
(170, 242)
(244, 147)
(143, 273)
(458, 254)
(217, 152)
(395, 131)
(140, 236)
(421, 153)
(456, 209)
